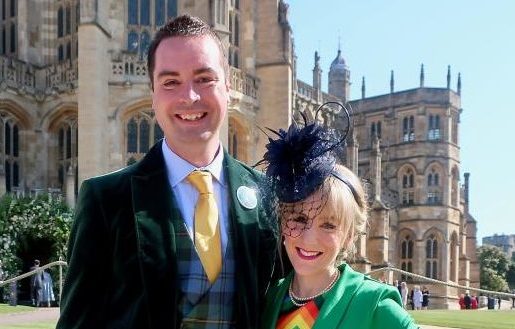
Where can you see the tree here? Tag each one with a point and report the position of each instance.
(494, 265)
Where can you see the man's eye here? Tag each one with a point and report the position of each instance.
(206, 79)
(170, 83)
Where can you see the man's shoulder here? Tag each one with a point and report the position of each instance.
(244, 169)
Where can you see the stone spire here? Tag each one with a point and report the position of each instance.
(459, 84)
(317, 77)
(375, 166)
(448, 77)
(363, 87)
(391, 82)
(422, 76)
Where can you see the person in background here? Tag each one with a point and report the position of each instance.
(467, 301)
(473, 302)
(404, 294)
(417, 298)
(180, 239)
(47, 293)
(322, 209)
(425, 298)
(36, 284)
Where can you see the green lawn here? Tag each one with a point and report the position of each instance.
(467, 319)
(5, 308)
(40, 325)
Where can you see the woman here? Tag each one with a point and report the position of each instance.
(322, 209)
(417, 298)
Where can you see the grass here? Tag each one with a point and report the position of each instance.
(39, 325)
(467, 319)
(5, 309)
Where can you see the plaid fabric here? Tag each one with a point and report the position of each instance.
(204, 305)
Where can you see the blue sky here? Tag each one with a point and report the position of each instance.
(476, 38)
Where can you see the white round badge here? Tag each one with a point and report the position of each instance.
(247, 197)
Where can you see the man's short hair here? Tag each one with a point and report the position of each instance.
(183, 26)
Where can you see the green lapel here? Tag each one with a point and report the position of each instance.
(334, 309)
(245, 224)
(337, 301)
(154, 208)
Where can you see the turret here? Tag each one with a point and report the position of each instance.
(339, 78)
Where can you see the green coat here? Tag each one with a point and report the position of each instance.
(356, 302)
(121, 254)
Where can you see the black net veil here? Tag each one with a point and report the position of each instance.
(298, 161)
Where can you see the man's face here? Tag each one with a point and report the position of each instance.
(190, 92)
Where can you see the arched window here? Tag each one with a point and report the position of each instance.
(432, 257)
(145, 44)
(133, 42)
(144, 17)
(434, 194)
(68, 18)
(234, 34)
(375, 130)
(60, 22)
(160, 10)
(9, 131)
(67, 150)
(408, 187)
(408, 129)
(13, 39)
(406, 256)
(142, 131)
(433, 132)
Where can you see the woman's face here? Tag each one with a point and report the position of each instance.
(312, 244)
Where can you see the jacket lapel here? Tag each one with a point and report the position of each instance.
(246, 243)
(336, 303)
(154, 208)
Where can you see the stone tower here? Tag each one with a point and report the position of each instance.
(339, 78)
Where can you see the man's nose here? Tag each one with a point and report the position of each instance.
(188, 94)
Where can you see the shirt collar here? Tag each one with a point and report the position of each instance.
(178, 169)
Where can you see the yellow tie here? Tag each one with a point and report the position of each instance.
(207, 232)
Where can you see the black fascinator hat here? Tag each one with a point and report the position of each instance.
(301, 158)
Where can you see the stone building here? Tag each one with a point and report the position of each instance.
(503, 241)
(75, 102)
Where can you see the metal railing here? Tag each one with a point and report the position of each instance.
(449, 284)
(59, 263)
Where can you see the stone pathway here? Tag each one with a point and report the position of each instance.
(40, 314)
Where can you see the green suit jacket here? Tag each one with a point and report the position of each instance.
(121, 256)
(356, 302)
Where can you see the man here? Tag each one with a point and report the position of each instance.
(36, 285)
(137, 258)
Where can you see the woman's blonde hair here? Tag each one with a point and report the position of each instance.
(348, 209)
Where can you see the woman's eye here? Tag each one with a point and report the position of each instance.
(328, 226)
(301, 219)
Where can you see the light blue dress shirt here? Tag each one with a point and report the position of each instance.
(178, 169)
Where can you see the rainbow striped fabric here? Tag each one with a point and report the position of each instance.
(302, 318)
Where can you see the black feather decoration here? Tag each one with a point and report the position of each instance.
(300, 159)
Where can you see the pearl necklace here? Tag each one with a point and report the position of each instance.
(301, 301)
